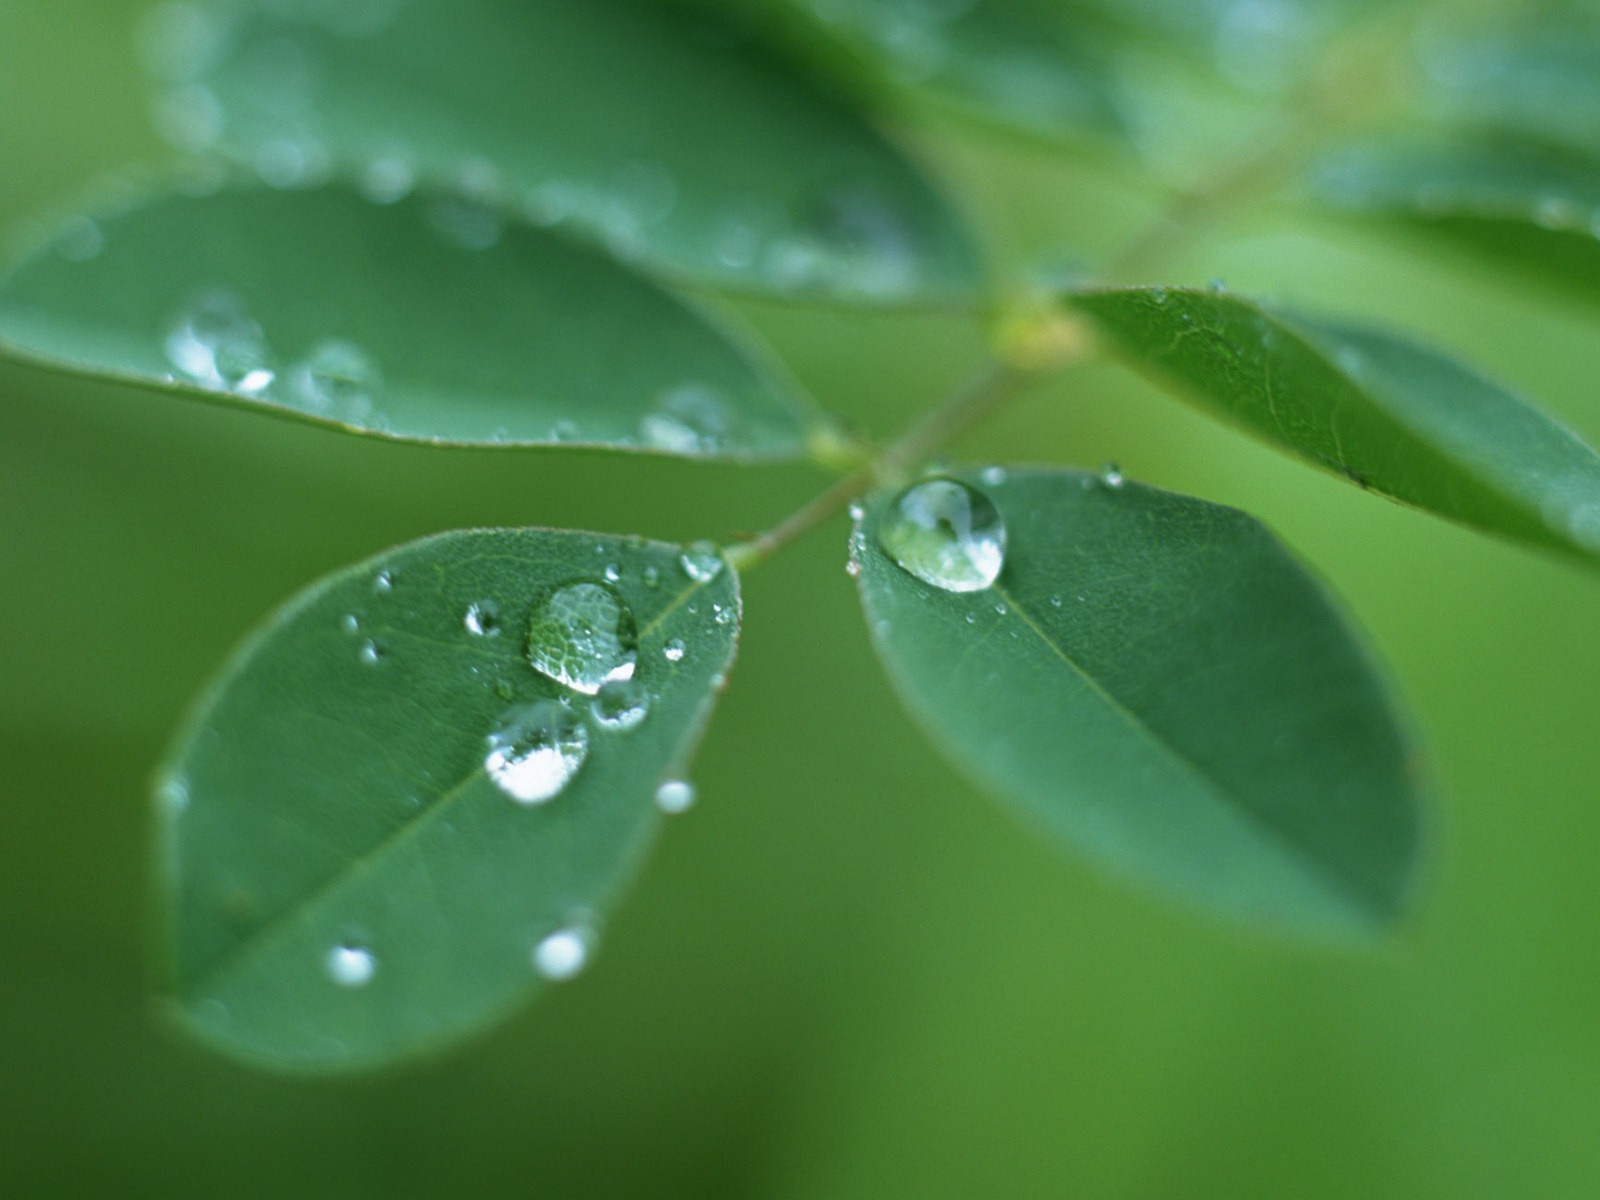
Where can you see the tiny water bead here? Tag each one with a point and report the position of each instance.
(621, 704)
(351, 966)
(1111, 476)
(337, 379)
(583, 636)
(217, 344)
(692, 419)
(564, 953)
(383, 582)
(482, 619)
(947, 534)
(537, 750)
(372, 652)
(673, 650)
(701, 562)
(675, 796)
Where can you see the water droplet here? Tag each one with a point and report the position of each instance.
(1055, 601)
(675, 796)
(1111, 476)
(583, 636)
(217, 344)
(701, 562)
(692, 419)
(722, 614)
(673, 650)
(173, 795)
(947, 534)
(351, 966)
(372, 652)
(537, 750)
(613, 573)
(350, 623)
(383, 582)
(993, 476)
(337, 379)
(388, 180)
(652, 576)
(564, 953)
(482, 619)
(857, 510)
(621, 704)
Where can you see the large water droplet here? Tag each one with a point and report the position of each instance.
(564, 953)
(675, 796)
(337, 379)
(351, 966)
(217, 344)
(537, 750)
(947, 534)
(583, 636)
(701, 562)
(621, 704)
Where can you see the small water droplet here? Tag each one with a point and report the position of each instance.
(372, 652)
(173, 795)
(947, 534)
(351, 966)
(383, 582)
(621, 704)
(652, 576)
(993, 476)
(537, 750)
(388, 180)
(337, 379)
(701, 562)
(482, 619)
(217, 344)
(1111, 476)
(613, 573)
(564, 953)
(1055, 601)
(583, 636)
(675, 796)
(691, 419)
(857, 510)
(673, 650)
(350, 623)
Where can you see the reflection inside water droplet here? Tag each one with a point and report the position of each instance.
(217, 344)
(583, 636)
(947, 534)
(621, 704)
(351, 966)
(701, 562)
(536, 751)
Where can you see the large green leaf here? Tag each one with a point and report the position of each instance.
(1017, 62)
(1534, 210)
(1153, 680)
(347, 882)
(424, 320)
(657, 129)
(1375, 408)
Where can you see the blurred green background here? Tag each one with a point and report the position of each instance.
(845, 974)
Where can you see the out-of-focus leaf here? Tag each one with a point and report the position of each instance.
(428, 320)
(1378, 409)
(663, 132)
(1153, 680)
(383, 810)
(1535, 211)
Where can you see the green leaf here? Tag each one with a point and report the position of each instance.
(1516, 206)
(426, 320)
(658, 130)
(1384, 412)
(1155, 681)
(347, 882)
(1015, 62)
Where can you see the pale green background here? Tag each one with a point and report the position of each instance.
(845, 974)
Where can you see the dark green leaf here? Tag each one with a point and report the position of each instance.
(1153, 680)
(656, 129)
(1014, 61)
(1535, 211)
(426, 320)
(1377, 409)
(347, 885)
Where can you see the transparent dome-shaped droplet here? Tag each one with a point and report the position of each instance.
(350, 623)
(1111, 476)
(383, 582)
(373, 652)
(613, 573)
(351, 966)
(217, 344)
(537, 750)
(621, 704)
(701, 562)
(564, 953)
(482, 619)
(583, 636)
(947, 534)
(337, 379)
(692, 419)
(673, 650)
(675, 796)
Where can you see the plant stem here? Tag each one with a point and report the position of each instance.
(993, 385)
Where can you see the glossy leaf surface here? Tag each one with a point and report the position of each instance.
(1533, 210)
(1382, 411)
(662, 132)
(428, 320)
(382, 810)
(1154, 681)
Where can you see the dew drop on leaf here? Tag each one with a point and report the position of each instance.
(482, 619)
(701, 562)
(372, 652)
(947, 534)
(1111, 476)
(673, 650)
(351, 966)
(563, 954)
(583, 636)
(621, 704)
(217, 344)
(536, 751)
(675, 796)
(692, 419)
